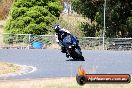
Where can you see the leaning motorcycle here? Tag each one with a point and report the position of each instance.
(72, 47)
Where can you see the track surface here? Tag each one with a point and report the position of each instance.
(52, 63)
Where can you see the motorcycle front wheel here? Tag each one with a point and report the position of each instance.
(77, 55)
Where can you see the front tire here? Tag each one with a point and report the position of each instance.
(77, 55)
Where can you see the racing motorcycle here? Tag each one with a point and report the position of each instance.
(72, 48)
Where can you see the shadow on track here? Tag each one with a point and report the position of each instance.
(74, 60)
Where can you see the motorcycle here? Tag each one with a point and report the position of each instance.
(72, 48)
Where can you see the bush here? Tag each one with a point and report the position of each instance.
(33, 16)
(8, 39)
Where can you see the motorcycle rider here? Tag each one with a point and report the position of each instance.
(60, 33)
(63, 36)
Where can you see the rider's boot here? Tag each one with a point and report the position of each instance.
(63, 50)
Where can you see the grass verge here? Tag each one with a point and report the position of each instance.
(6, 68)
(67, 82)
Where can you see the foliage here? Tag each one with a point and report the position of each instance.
(72, 23)
(8, 39)
(118, 15)
(11, 38)
(33, 16)
(88, 30)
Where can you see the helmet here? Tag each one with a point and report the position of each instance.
(56, 27)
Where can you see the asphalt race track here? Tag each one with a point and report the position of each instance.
(52, 63)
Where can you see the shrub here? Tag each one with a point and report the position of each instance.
(33, 16)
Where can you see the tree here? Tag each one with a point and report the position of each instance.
(90, 9)
(33, 16)
(118, 15)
